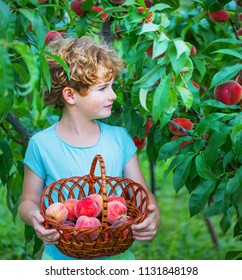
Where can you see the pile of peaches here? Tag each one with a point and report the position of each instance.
(86, 212)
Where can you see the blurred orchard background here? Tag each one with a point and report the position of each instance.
(179, 97)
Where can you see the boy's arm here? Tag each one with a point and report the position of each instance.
(148, 228)
(29, 208)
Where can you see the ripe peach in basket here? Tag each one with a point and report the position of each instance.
(87, 206)
(57, 212)
(87, 222)
(122, 233)
(116, 211)
(69, 225)
(115, 197)
(70, 205)
(98, 198)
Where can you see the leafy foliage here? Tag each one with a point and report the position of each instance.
(175, 56)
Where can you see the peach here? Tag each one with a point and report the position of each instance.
(121, 233)
(76, 7)
(98, 10)
(57, 212)
(148, 18)
(183, 122)
(219, 16)
(71, 205)
(239, 2)
(98, 198)
(87, 222)
(139, 143)
(87, 206)
(148, 125)
(114, 197)
(117, 211)
(228, 93)
(193, 50)
(69, 225)
(239, 32)
(148, 3)
(53, 35)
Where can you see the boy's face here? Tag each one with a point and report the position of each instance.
(97, 104)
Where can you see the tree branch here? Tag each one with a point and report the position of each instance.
(19, 127)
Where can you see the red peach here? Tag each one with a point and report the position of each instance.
(193, 50)
(69, 225)
(121, 233)
(114, 197)
(148, 3)
(148, 124)
(87, 222)
(76, 7)
(148, 18)
(228, 93)
(53, 35)
(116, 211)
(219, 16)
(239, 2)
(87, 206)
(98, 198)
(239, 32)
(183, 122)
(139, 143)
(98, 10)
(57, 212)
(196, 85)
(71, 205)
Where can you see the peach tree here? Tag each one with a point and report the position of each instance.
(179, 96)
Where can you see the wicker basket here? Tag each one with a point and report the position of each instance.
(110, 240)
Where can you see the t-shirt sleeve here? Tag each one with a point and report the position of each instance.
(129, 146)
(33, 159)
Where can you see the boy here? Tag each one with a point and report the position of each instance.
(68, 147)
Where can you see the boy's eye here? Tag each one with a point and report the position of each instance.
(101, 89)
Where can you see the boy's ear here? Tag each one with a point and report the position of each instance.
(68, 95)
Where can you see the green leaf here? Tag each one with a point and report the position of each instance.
(150, 77)
(160, 99)
(181, 47)
(149, 27)
(229, 52)
(216, 140)
(45, 71)
(186, 96)
(182, 172)
(203, 169)
(38, 25)
(225, 74)
(170, 149)
(6, 161)
(200, 196)
(237, 141)
(31, 62)
(143, 96)
(217, 104)
(61, 61)
(208, 122)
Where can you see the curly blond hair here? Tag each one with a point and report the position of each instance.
(82, 56)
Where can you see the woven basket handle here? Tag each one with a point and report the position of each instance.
(103, 187)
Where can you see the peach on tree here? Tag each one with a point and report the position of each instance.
(228, 93)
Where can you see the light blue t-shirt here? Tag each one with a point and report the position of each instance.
(51, 158)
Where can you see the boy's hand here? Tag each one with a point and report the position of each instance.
(48, 236)
(148, 228)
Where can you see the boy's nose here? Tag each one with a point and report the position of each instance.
(112, 95)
